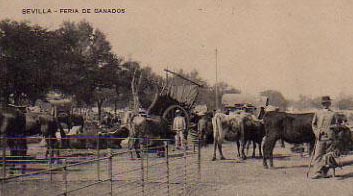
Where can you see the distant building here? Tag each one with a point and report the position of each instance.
(248, 103)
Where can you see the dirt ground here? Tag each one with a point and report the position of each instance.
(222, 177)
(249, 178)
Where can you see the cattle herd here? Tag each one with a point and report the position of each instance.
(241, 128)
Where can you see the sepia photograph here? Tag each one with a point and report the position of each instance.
(176, 97)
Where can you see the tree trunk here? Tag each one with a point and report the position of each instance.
(115, 106)
(99, 104)
(135, 89)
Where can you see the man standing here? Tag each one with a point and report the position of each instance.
(323, 123)
(179, 126)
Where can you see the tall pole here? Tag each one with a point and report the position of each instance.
(216, 86)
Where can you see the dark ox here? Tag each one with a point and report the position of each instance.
(12, 131)
(292, 128)
(254, 131)
(15, 126)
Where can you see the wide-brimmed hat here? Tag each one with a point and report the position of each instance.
(326, 99)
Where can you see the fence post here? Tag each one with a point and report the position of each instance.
(65, 177)
(199, 159)
(167, 163)
(142, 171)
(50, 159)
(98, 162)
(110, 170)
(147, 142)
(185, 171)
(3, 144)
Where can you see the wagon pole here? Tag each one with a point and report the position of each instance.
(183, 77)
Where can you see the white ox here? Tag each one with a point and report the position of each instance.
(225, 126)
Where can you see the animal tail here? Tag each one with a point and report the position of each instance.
(217, 128)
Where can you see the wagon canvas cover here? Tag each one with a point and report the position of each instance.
(185, 94)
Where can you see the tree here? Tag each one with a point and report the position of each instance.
(276, 99)
(88, 64)
(100, 95)
(345, 103)
(27, 59)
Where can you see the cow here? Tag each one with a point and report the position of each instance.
(47, 126)
(253, 131)
(141, 128)
(292, 128)
(224, 127)
(239, 128)
(71, 120)
(114, 138)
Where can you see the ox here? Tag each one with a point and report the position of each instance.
(224, 126)
(238, 128)
(292, 128)
(141, 128)
(12, 131)
(16, 125)
(253, 130)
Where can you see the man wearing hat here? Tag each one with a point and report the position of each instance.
(179, 126)
(323, 122)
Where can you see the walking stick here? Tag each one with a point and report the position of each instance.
(311, 159)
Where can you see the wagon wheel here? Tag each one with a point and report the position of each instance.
(169, 114)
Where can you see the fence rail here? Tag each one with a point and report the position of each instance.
(170, 172)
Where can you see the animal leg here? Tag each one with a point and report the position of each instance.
(334, 172)
(215, 140)
(238, 147)
(214, 150)
(220, 151)
(137, 148)
(253, 149)
(243, 144)
(268, 149)
(23, 153)
(247, 148)
(13, 154)
(282, 143)
(271, 155)
(311, 147)
(260, 149)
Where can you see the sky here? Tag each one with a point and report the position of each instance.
(297, 47)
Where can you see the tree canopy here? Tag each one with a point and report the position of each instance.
(77, 60)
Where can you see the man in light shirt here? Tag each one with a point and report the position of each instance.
(179, 126)
(323, 123)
